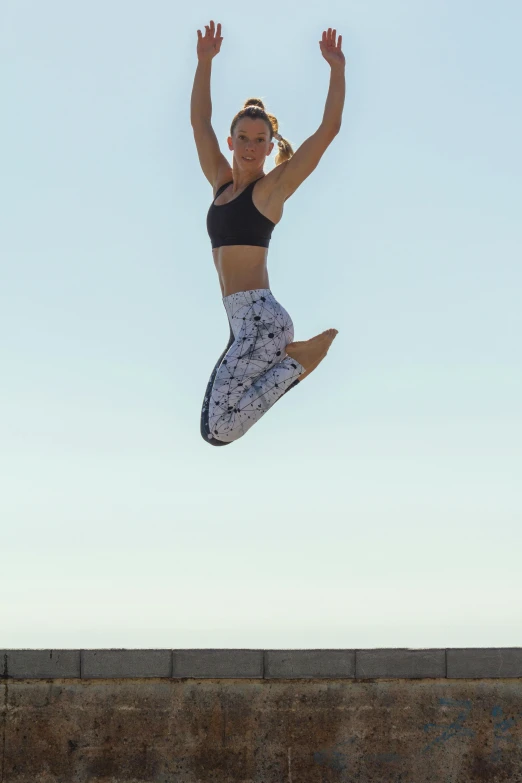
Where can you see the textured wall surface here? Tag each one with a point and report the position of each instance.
(382, 719)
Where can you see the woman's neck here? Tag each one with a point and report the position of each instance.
(242, 179)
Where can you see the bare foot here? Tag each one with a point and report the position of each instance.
(311, 352)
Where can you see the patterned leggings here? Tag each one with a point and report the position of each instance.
(253, 371)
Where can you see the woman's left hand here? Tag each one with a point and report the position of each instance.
(331, 52)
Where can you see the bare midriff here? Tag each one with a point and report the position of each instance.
(241, 268)
(244, 267)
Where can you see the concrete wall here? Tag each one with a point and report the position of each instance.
(261, 716)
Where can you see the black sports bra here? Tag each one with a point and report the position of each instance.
(238, 222)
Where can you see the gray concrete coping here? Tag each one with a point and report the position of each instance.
(388, 663)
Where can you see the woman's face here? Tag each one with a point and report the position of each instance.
(251, 140)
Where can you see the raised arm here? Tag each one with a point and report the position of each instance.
(212, 161)
(201, 102)
(307, 157)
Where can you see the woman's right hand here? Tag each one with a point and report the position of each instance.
(210, 44)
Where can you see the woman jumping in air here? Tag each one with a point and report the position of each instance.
(261, 362)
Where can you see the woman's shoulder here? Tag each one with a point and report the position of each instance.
(267, 184)
(269, 188)
(270, 181)
(217, 189)
(224, 177)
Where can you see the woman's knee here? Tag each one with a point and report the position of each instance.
(225, 431)
(223, 436)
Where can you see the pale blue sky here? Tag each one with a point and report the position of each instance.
(379, 502)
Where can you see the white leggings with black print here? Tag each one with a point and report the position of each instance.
(254, 371)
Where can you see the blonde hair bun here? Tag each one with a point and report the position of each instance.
(254, 102)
